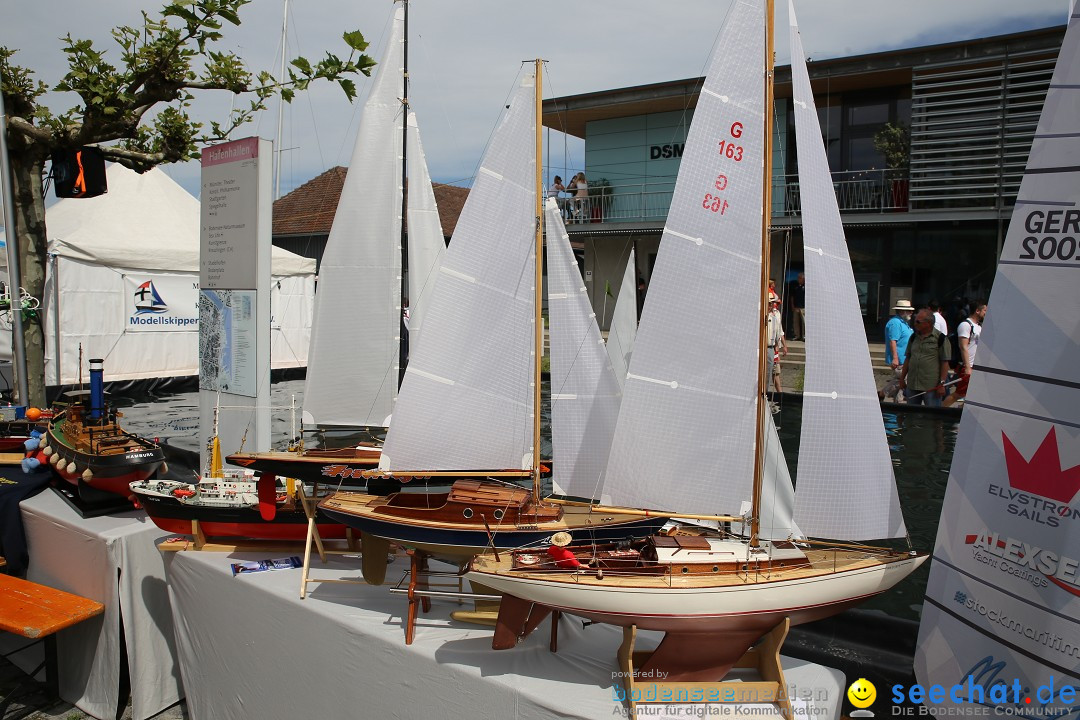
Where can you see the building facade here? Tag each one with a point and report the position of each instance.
(927, 147)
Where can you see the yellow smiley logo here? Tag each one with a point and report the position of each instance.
(862, 693)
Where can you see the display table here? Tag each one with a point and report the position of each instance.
(115, 561)
(249, 647)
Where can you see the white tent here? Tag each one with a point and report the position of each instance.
(127, 267)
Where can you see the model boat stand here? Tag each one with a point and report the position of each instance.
(764, 657)
(416, 583)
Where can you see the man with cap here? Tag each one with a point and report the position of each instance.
(897, 334)
(774, 338)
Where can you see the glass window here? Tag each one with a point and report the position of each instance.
(862, 155)
(829, 119)
(875, 113)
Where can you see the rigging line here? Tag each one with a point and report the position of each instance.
(560, 128)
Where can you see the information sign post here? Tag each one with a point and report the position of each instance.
(234, 295)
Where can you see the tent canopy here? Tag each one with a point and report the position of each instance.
(146, 222)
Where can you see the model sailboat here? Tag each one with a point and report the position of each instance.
(693, 433)
(356, 337)
(1003, 600)
(468, 402)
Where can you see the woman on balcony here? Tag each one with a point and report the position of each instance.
(580, 190)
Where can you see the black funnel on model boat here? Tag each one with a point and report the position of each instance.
(97, 388)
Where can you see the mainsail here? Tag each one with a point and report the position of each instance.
(466, 401)
(623, 329)
(352, 363)
(846, 489)
(426, 244)
(584, 392)
(685, 435)
(1003, 599)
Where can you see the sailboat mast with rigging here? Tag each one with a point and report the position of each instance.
(692, 432)
(468, 408)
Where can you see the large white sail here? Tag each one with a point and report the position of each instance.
(584, 392)
(845, 489)
(1003, 599)
(352, 362)
(623, 330)
(466, 401)
(426, 243)
(685, 435)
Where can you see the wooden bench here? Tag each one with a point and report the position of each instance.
(38, 612)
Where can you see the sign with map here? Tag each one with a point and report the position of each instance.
(227, 341)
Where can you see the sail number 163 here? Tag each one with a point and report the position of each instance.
(714, 203)
(729, 149)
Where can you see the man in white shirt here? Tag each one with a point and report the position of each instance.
(968, 332)
(939, 320)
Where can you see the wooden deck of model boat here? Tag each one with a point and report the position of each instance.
(821, 562)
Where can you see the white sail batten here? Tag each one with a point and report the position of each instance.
(353, 358)
(1004, 589)
(685, 435)
(846, 489)
(426, 243)
(584, 392)
(466, 401)
(623, 330)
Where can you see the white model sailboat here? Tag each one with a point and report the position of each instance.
(693, 433)
(1003, 600)
(353, 371)
(467, 403)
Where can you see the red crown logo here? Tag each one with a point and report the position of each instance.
(1042, 475)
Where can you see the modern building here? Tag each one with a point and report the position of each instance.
(924, 220)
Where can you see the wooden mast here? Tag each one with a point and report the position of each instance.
(403, 332)
(538, 321)
(766, 216)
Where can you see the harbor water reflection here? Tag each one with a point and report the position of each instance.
(921, 445)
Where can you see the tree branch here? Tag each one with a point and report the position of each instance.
(35, 133)
(125, 156)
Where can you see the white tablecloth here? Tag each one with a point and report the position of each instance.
(249, 647)
(114, 560)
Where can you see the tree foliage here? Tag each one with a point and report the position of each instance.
(133, 102)
(894, 142)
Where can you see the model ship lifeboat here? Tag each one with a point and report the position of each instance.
(234, 505)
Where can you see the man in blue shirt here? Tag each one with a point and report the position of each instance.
(897, 334)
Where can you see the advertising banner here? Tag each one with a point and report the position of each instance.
(1001, 621)
(160, 303)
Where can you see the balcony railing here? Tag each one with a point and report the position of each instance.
(867, 191)
(862, 191)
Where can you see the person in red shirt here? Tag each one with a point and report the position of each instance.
(560, 553)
